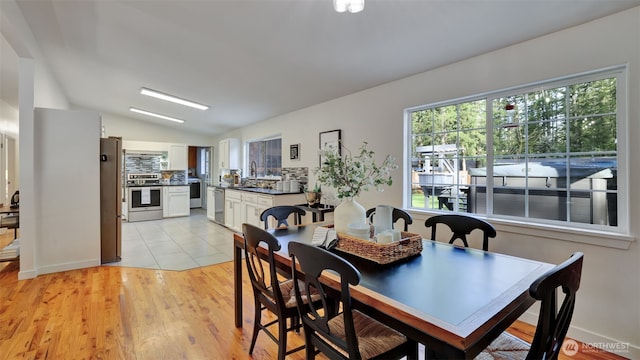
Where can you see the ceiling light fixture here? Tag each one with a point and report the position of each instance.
(352, 6)
(167, 97)
(145, 112)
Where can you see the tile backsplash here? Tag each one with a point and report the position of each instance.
(152, 163)
(294, 173)
(178, 176)
(142, 163)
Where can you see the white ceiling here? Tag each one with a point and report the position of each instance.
(253, 60)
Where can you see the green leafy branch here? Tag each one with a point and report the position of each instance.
(351, 174)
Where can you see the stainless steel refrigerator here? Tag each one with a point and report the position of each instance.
(110, 199)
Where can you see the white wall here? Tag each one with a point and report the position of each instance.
(37, 87)
(8, 119)
(67, 153)
(608, 306)
(130, 129)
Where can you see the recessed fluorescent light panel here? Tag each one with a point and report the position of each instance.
(173, 99)
(149, 113)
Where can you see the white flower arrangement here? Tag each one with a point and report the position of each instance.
(349, 174)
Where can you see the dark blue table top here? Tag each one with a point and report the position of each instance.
(445, 282)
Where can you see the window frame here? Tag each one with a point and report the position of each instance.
(248, 156)
(570, 229)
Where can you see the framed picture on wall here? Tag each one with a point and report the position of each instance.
(294, 152)
(330, 138)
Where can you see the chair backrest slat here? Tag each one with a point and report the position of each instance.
(553, 323)
(396, 215)
(263, 282)
(281, 213)
(461, 226)
(313, 261)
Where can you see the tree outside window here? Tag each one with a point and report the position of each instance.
(547, 152)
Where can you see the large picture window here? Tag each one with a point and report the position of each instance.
(265, 157)
(544, 153)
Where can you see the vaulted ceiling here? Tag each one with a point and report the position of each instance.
(251, 60)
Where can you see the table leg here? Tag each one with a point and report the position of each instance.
(237, 283)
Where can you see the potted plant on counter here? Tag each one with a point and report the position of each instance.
(313, 196)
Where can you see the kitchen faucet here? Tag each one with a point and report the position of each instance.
(253, 169)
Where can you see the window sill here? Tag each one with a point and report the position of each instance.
(584, 236)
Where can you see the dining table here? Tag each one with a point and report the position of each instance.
(6, 209)
(9, 219)
(453, 300)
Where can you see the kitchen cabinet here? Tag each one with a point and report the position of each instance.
(211, 203)
(229, 154)
(178, 156)
(174, 156)
(175, 201)
(233, 214)
(246, 207)
(144, 146)
(254, 205)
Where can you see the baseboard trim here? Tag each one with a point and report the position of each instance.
(68, 266)
(593, 340)
(27, 274)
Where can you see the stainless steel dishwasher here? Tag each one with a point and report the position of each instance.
(219, 206)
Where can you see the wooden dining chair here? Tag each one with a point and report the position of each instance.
(281, 213)
(461, 226)
(396, 215)
(331, 325)
(553, 323)
(269, 292)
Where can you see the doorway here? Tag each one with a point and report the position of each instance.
(200, 167)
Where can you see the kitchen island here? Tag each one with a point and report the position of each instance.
(245, 204)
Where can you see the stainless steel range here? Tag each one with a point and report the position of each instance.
(144, 197)
(143, 179)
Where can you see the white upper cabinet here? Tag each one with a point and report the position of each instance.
(229, 154)
(178, 157)
(141, 146)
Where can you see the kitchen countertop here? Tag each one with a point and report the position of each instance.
(256, 190)
(156, 185)
(217, 186)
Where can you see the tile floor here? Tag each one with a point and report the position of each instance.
(175, 244)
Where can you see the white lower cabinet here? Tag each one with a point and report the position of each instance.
(254, 205)
(233, 213)
(175, 201)
(246, 207)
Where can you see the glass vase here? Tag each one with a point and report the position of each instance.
(347, 212)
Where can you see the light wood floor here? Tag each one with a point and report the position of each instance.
(128, 313)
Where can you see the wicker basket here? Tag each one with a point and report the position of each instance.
(410, 244)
